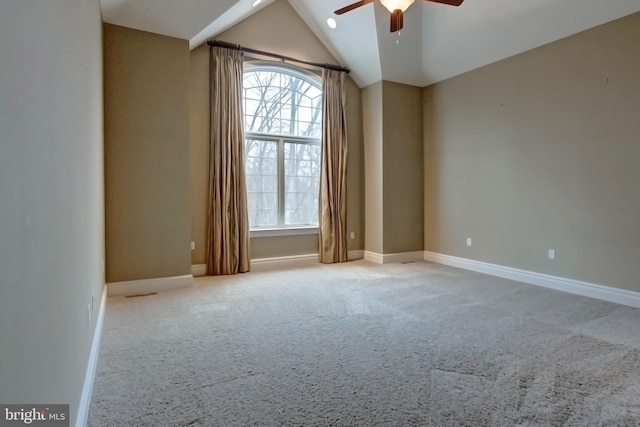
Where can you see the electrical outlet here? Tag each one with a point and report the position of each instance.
(193, 245)
(551, 254)
(469, 241)
(353, 235)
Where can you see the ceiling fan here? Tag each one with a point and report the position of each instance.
(396, 7)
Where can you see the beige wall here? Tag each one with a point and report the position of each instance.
(541, 151)
(372, 114)
(148, 209)
(283, 246)
(276, 28)
(51, 197)
(403, 219)
(199, 149)
(392, 122)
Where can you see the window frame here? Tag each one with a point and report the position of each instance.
(282, 229)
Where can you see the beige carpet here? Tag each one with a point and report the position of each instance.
(360, 344)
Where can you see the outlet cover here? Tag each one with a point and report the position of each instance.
(551, 254)
(193, 245)
(469, 241)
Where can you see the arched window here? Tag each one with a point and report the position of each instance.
(283, 129)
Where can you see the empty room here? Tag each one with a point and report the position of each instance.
(320, 213)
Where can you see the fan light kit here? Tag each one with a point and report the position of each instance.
(393, 5)
(396, 8)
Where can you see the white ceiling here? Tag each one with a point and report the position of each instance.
(437, 41)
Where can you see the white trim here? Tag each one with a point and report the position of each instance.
(373, 257)
(284, 258)
(198, 270)
(283, 67)
(87, 388)
(146, 286)
(201, 269)
(288, 231)
(284, 261)
(591, 290)
(391, 258)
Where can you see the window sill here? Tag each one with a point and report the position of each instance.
(276, 232)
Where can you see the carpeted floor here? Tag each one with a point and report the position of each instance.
(360, 344)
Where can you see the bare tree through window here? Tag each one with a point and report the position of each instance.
(283, 126)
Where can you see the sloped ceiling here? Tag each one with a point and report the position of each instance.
(437, 42)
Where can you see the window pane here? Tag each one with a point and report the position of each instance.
(281, 103)
(301, 185)
(261, 166)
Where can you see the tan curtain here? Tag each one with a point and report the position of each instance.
(227, 217)
(333, 172)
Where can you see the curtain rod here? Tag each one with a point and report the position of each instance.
(220, 43)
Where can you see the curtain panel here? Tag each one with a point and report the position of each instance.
(227, 216)
(333, 171)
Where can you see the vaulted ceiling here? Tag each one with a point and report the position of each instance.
(436, 43)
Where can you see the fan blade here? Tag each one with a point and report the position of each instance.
(352, 6)
(449, 2)
(396, 20)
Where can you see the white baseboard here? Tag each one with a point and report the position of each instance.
(391, 258)
(147, 286)
(198, 270)
(87, 388)
(284, 261)
(591, 290)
